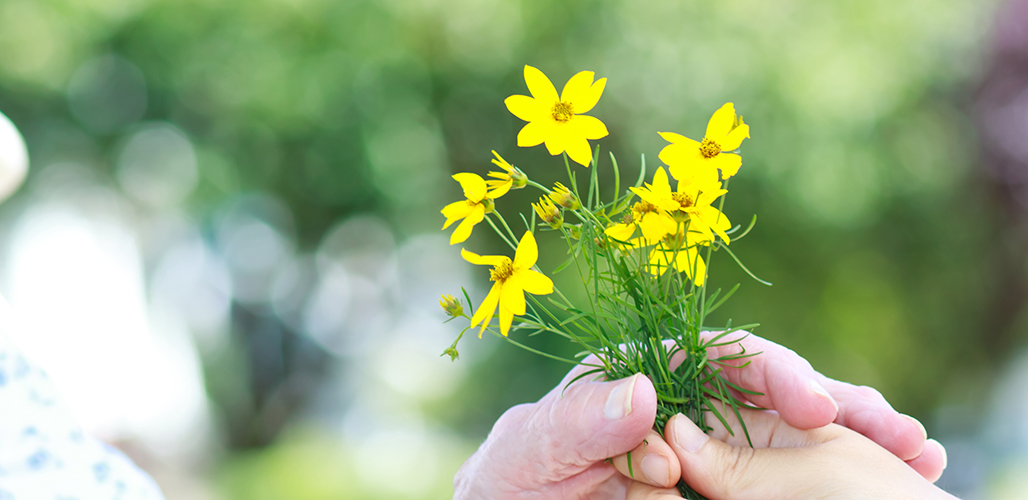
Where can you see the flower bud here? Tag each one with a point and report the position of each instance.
(564, 197)
(518, 177)
(452, 353)
(451, 306)
(576, 231)
(549, 213)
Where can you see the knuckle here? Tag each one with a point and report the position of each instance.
(736, 471)
(869, 393)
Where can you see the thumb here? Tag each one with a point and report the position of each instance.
(718, 470)
(590, 421)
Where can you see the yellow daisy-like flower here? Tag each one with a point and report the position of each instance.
(511, 279)
(650, 214)
(681, 253)
(558, 120)
(472, 209)
(691, 201)
(511, 178)
(686, 157)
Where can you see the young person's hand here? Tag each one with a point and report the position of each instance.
(786, 462)
(559, 446)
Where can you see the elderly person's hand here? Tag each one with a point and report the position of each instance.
(786, 462)
(559, 446)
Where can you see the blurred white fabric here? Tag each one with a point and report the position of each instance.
(14, 158)
(43, 451)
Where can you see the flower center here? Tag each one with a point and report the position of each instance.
(709, 148)
(643, 207)
(502, 272)
(683, 199)
(562, 111)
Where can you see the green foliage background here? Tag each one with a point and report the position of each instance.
(875, 222)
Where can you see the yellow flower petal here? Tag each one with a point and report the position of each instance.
(506, 318)
(679, 152)
(485, 311)
(473, 185)
(526, 108)
(512, 296)
(734, 138)
(689, 262)
(655, 226)
(555, 139)
(579, 151)
(728, 163)
(540, 86)
(463, 230)
(455, 211)
(721, 123)
(500, 162)
(482, 260)
(716, 221)
(620, 232)
(535, 282)
(527, 252)
(675, 138)
(582, 93)
(499, 188)
(534, 134)
(589, 127)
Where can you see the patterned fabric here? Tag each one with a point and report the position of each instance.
(43, 453)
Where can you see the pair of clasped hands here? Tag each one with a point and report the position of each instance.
(820, 438)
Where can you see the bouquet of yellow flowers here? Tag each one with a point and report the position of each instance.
(642, 257)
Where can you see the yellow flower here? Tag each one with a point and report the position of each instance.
(549, 213)
(451, 306)
(695, 199)
(564, 197)
(558, 120)
(681, 254)
(511, 178)
(650, 214)
(472, 210)
(687, 157)
(511, 279)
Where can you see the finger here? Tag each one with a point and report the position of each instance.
(786, 381)
(652, 462)
(718, 470)
(932, 461)
(865, 410)
(587, 422)
(640, 491)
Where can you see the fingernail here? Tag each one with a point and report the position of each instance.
(918, 423)
(688, 437)
(822, 392)
(619, 402)
(656, 469)
(945, 459)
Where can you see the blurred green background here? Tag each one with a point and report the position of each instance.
(300, 149)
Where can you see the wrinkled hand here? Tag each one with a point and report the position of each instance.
(785, 462)
(558, 447)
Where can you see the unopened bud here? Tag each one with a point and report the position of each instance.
(564, 197)
(576, 231)
(452, 352)
(549, 213)
(451, 306)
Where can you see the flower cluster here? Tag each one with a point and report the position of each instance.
(642, 256)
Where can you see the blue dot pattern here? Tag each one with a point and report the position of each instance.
(44, 455)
